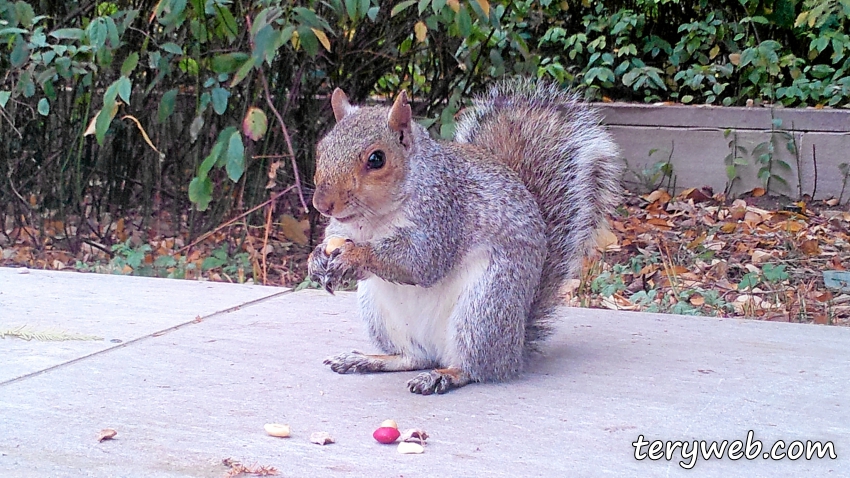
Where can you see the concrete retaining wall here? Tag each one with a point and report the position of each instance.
(693, 138)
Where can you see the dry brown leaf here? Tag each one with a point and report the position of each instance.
(810, 247)
(752, 219)
(659, 195)
(606, 240)
(695, 195)
(758, 256)
(293, 229)
(144, 134)
(421, 31)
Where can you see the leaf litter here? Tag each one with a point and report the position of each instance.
(700, 254)
(694, 253)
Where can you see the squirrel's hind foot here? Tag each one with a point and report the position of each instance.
(438, 381)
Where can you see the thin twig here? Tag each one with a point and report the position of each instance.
(287, 139)
(204, 236)
(11, 123)
(282, 128)
(266, 240)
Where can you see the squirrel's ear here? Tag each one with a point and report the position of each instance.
(340, 105)
(400, 118)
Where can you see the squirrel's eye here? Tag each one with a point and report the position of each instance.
(376, 160)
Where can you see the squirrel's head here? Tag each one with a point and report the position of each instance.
(361, 163)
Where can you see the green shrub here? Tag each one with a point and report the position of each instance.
(153, 106)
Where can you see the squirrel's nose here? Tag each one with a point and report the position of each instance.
(323, 203)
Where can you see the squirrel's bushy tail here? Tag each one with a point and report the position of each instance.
(566, 159)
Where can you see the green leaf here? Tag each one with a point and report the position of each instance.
(43, 107)
(200, 193)
(20, 52)
(213, 262)
(308, 40)
(188, 65)
(749, 281)
(130, 64)
(228, 62)
(308, 17)
(351, 8)
(235, 156)
(97, 32)
(464, 21)
(112, 33)
(774, 273)
(401, 7)
(171, 47)
(12, 31)
(104, 119)
(166, 105)
(225, 24)
(4, 98)
(212, 158)
(68, 34)
(243, 71)
(224, 139)
(26, 85)
(125, 87)
(219, 100)
(266, 44)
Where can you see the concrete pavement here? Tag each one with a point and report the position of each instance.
(200, 367)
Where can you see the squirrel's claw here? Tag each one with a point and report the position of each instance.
(320, 269)
(438, 381)
(353, 362)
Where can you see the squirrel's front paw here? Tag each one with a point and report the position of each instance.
(318, 268)
(353, 362)
(438, 381)
(333, 269)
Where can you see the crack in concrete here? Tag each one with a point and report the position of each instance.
(158, 333)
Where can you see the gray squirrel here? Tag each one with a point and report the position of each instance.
(460, 248)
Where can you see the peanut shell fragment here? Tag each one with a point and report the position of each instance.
(277, 430)
(407, 448)
(321, 438)
(106, 434)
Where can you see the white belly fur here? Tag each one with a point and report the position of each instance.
(417, 318)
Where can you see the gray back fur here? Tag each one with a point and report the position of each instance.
(555, 143)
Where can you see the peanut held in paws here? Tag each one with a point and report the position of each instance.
(334, 243)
